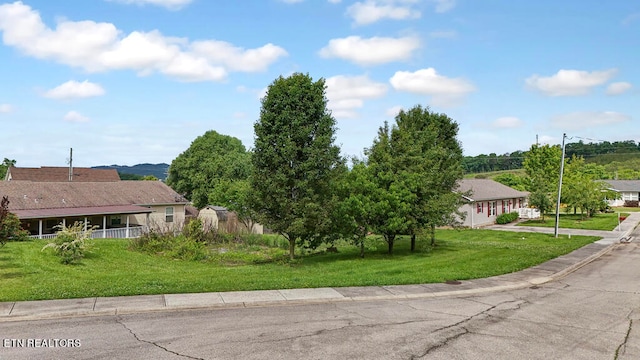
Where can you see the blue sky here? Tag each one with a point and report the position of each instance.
(133, 81)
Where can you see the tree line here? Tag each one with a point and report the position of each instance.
(624, 153)
(295, 182)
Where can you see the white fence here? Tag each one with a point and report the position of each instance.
(119, 233)
(528, 213)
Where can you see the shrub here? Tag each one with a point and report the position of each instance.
(71, 243)
(631, 203)
(166, 244)
(507, 218)
(10, 228)
(194, 230)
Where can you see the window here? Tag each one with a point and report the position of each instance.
(492, 208)
(629, 196)
(479, 208)
(505, 206)
(168, 214)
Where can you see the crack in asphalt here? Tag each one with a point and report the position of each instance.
(119, 321)
(464, 329)
(440, 344)
(349, 324)
(623, 347)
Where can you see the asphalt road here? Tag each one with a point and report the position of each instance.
(593, 313)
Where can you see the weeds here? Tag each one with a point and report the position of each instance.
(72, 242)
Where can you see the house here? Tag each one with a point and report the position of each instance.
(220, 218)
(487, 199)
(629, 190)
(116, 207)
(60, 174)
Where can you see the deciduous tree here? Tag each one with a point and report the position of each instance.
(295, 160)
(429, 158)
(10, 228)
(208, 166)
(6, 163)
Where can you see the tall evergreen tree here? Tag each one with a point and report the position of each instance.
(295, 160)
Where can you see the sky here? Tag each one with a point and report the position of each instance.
(136, 81)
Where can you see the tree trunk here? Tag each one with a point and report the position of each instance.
(413, 242)
(292, 248)
(433, 235)
(362, 248)
(390, 239)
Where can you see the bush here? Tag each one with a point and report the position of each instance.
(10, 228)
(631, 203)
(71, 243)
(507, 218)
(176, 247)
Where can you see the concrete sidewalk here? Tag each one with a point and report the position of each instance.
(546, 272)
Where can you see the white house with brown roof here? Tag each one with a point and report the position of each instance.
(116, 207)
(487, 199)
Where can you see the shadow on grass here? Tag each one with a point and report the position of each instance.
(11, 275)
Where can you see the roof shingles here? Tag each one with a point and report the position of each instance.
(59, 174)
(25, 195)
(486, 189)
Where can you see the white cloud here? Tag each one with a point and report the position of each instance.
(585, 119)
(443, 6)
(507, 122)
(74, 116)
(169, 4)
(348, 93)
(569, 82)
(618, 88)
(73, 89)
(393, 111)
(98, 47)
(5, 108)
(371, 11)
(443, 90)
(238, 59)
(371, 51)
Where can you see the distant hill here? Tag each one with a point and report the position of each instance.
(157, 170)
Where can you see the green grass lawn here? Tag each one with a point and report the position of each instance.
(111, 269)
(622, 209)
(607, 222)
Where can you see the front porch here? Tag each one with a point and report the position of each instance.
(109, 222)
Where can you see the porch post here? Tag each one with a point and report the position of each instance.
(104, 226)
(64, 222)
(85, 223)
(40, 229)
(474, 208)
(127, 232)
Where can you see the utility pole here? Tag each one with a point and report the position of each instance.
(70, 164)
(564, 136)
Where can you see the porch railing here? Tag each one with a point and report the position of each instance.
(117, 233)
(528, 213)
